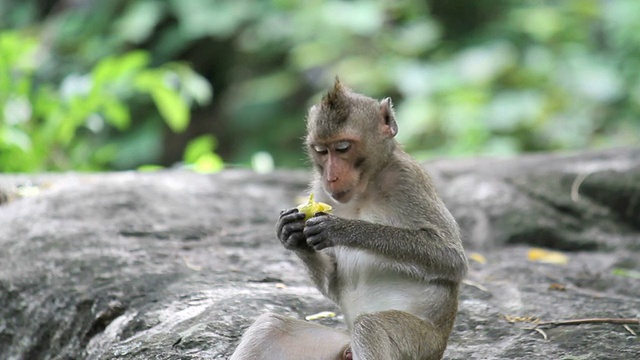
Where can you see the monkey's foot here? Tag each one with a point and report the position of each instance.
(347, 354)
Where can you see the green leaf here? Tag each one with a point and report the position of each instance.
(201, 18)
(270, 88)
(139, 21)
(147, 81)
(198, 147)
(18, 50)
(104, 155)
(66, 130)
(132, 62)
(116, 113)
(102, 72)
(208, 163)
(11, 136)
(172, 107)
(360, 17)
(196, 87)
(150, 168)
(633, 274)
(112, 68)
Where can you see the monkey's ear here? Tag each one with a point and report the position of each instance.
(390, 127)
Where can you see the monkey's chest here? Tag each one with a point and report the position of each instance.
(370, 284)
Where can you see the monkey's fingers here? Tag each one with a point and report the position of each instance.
(287, 218)
(317, 220)
(288, 211)
(316, 230)
(314, 226)
(319, 242)
(296, 241)
(312, 229)
(291, 228)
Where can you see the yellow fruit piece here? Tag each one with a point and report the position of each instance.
(547, 256)
(321, 315)
(311, 207)
(479, 258)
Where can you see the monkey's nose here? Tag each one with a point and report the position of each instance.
(332, 179)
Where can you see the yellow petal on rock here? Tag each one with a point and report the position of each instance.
(478, 258)
(320, 315)
(28, 191)
(519, 319)
(547, 256)
(557, 287)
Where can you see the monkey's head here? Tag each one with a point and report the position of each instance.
(349, 137)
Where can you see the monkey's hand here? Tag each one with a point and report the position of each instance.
(318, 230)
(289, 230)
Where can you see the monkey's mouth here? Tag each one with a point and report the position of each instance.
(341, 196)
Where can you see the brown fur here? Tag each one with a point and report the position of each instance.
(390, 255)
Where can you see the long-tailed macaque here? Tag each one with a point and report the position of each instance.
(390, 254)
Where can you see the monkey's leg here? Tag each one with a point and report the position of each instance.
(278, 337)
(396, 335)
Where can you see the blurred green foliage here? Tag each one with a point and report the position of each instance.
(468, 77)
(47, 127)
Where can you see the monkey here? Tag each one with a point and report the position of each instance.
(389, 255)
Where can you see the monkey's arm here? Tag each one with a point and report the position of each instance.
(320, 265)
(425, 252)
(321, 269)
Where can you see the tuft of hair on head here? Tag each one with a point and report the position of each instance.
(335, 105)
(335, 97)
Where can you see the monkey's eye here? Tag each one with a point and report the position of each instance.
(343, 146)
(320, 149)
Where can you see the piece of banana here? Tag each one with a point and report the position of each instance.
(311, 208)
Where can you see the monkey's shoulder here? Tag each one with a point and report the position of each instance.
(405, 176)
(372, 210)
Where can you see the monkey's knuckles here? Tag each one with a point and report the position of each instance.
(319, 218)
(317, 230)
(319, 242)
(290, 229)
(295, 241)
(287, 218)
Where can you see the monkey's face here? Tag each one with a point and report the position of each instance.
(349, 137)
(338, 163)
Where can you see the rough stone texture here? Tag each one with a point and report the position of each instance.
(175, 265)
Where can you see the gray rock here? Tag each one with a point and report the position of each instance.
(176, 265)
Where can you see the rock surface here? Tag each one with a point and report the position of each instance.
(175, 265)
